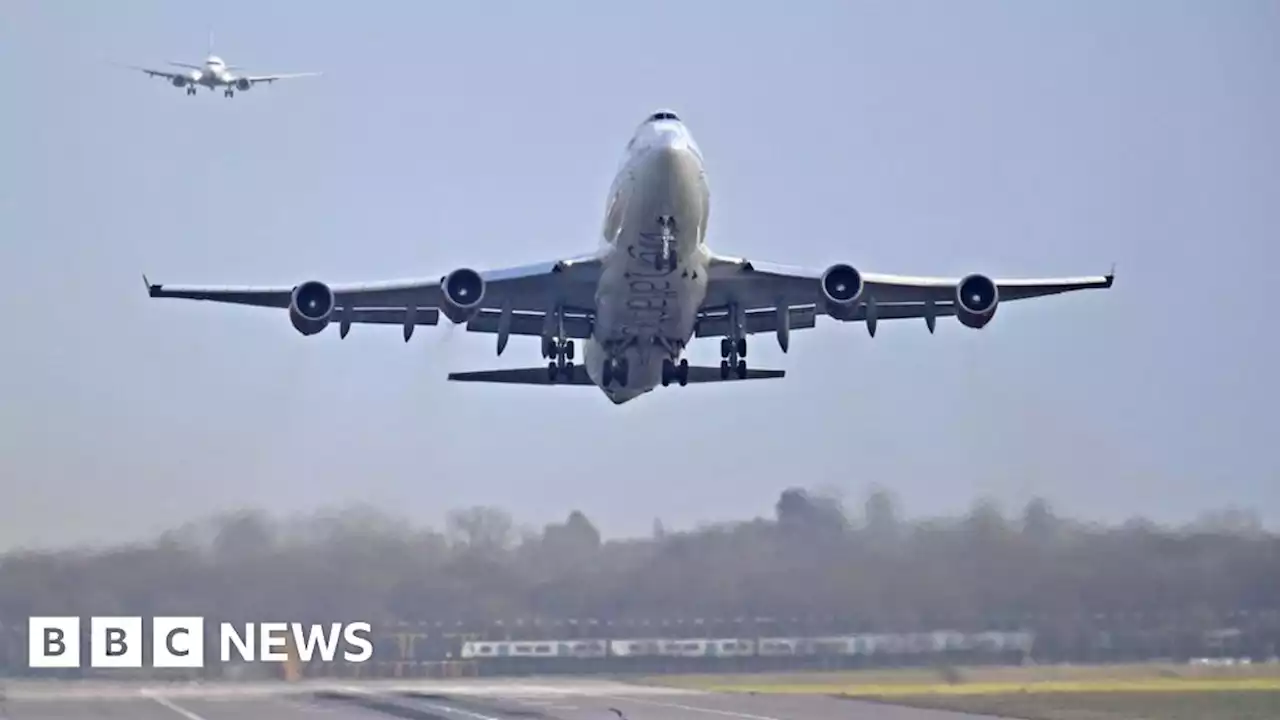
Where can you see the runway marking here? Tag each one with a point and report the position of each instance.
(693, 708)
(174, 707)
(447, 708)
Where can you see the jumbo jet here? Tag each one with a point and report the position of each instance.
(215, 73)
(651, 288)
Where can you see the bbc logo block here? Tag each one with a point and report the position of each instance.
(115, 642)
(178, 642)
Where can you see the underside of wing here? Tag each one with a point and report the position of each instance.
(255, 79)
(159, 73)
(767, 297)
(463, 296)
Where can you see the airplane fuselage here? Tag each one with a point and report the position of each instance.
(654, 260)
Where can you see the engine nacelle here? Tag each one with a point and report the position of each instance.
(463, 290)
(841, 289)
(976, 299)
(311, 307)
(179, 81)
(243, 84)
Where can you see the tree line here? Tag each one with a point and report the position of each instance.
(814, 563)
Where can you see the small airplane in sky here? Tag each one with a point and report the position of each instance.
(215, 73)
(651, 287)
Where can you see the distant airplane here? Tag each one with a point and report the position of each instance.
(215, 73)
(652, 286)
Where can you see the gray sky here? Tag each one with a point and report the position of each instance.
(1011, 138)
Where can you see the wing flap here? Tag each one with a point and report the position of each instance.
(388, 316)
(756, 321)
(577, 326)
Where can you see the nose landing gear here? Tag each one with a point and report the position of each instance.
(666, 260)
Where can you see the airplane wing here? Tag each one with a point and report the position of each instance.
(255, 79)
(762, 290)
(541, 376)
(159, 73)
(529, 291)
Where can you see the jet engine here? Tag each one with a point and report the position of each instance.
(841, 289)
(310, 307)
(976, 300)
(243, 84)
(179, 81)
(463, 289)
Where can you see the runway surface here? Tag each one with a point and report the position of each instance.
(551, 699)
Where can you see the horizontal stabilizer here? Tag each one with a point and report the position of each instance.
(524, 376)
(541, 376)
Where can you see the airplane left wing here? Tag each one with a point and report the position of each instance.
(159, 73)
(849, 295)
(462, 295)
(255, 79)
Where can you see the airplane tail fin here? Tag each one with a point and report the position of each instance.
(542, 376)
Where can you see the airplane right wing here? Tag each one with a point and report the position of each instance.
(255, 79)
(771, 297)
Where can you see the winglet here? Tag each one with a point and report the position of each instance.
(152, 290)
(1111, 276)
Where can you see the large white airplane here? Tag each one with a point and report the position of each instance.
(213, 74)
(651, 287)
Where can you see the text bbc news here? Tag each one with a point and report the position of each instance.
(178, 642)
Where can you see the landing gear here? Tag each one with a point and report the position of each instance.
(615, 371)
(675, 372)
(666, 260)
(191, 90)
(733, 348)
(561, 352)
(557, 347)
(228, 93)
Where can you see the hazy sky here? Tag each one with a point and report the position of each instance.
(1014, 138)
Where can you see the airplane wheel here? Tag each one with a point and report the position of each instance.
(742, 347)
(568, 350)
(682, 373)
(552, 371)
(724, 369)
(742, 369)
(725, 347)
(548, 348)
(668, 372)
(567, 371)
(620, 372)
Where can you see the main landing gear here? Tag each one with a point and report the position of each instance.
(734, 348)
(666, 260)
(191, 89)
(675, 372)
(228, 93)
(561, 352)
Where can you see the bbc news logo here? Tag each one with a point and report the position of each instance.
(178, 642)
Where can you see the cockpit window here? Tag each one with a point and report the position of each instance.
(663, 116)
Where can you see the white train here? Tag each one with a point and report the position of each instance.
(842, 645)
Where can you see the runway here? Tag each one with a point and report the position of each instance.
(551, 699)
